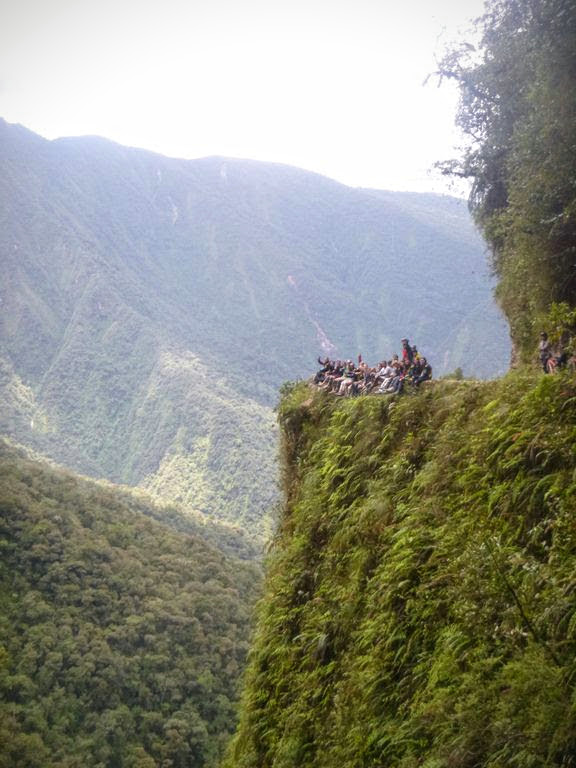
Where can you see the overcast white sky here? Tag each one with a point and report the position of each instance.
(333, 86)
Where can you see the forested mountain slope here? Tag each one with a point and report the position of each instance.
(150, 307)
(121, 637)
(420, 606)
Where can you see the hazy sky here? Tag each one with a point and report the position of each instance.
(334, 86)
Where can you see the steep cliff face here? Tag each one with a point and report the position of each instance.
(420, 602)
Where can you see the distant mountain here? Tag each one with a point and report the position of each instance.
(151, 307)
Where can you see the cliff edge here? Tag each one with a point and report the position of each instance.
(420, 600)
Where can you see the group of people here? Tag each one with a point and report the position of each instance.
(553, 358)
(346, 378)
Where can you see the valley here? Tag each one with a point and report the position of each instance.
(152, 307)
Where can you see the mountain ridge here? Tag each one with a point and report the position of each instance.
(154, 306)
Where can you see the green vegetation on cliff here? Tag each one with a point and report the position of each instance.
(420, 607)
(121, 637)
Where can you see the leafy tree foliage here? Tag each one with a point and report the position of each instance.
(518, 107)
(121, 639)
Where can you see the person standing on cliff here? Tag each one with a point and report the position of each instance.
(407, 353)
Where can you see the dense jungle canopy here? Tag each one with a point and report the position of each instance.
(122, 632)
